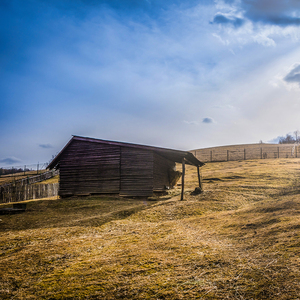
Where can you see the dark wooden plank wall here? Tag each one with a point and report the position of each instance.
(136, 172)
(161, 172)
(87, 168)
(95, 168)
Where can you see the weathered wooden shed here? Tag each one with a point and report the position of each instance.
(94, 166)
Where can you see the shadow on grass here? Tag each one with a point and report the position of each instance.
(84, 211)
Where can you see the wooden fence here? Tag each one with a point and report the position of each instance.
(17, 193)
(26, 189)
(245, 152)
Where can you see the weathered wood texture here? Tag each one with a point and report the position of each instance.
(87, 168)
(93, 166)
(136, 172)
(182, 179)
(161, 170)
(18, 192)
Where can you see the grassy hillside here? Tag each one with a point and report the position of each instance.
(4, 179)
(247, 151)
(237, 240)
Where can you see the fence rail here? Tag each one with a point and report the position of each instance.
(17, 193)
(11, 171)
(231, 153)
(33, 179)
(25, 188)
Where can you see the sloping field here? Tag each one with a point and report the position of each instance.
(5, 179)
(247, 151)
(237, 240)
(11, 177)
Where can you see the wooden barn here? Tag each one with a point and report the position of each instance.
(94, 166)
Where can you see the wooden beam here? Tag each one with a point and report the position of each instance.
(199, 178)
(182, 178)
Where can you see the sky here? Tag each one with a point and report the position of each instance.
(181, 74)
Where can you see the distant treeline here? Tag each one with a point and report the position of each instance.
(12, 171)
(289, 139)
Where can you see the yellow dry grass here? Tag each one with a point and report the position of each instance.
(237, 240)
(4, 179)
(54, 179)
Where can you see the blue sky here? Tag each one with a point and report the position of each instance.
(181, 74)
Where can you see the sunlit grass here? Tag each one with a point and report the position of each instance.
(237, 240)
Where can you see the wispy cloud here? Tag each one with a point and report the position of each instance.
(10, 160)
(225, 19)
(46, 146)
(294, 75)
(257, 21)
(134, 70)
(191, 122)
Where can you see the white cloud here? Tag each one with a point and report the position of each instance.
(191, 123)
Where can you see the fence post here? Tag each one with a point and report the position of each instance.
(227, 155)
(182, 178)
(210, 156)
(244, 153)
(278, 151)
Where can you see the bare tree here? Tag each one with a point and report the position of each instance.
(296, 133)
(288, 139)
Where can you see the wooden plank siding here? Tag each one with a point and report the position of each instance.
(93, 166)
(89, 168)
(161, 170)
(136, 172)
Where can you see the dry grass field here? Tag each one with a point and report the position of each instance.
(237, 240)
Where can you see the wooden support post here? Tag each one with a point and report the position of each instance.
(261, 153)
(199, 178)
(278, 151)
(227, 155)
(182, 178)
(211, 156)
(244, 153)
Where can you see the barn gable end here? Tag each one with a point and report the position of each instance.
(87, 167)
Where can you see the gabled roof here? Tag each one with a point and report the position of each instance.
(173, 155)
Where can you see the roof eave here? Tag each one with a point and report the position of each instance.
(189, 157)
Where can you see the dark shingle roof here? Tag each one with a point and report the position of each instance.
(173, 155)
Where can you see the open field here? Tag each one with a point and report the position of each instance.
(237, 240)
(247, 151)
